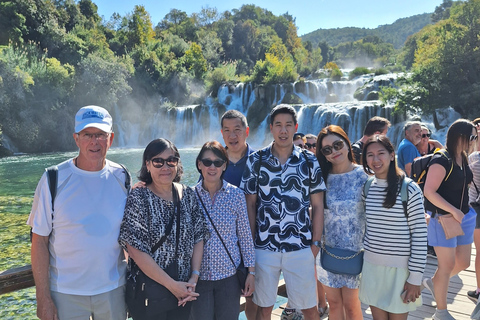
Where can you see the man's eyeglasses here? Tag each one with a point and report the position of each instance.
(310, 145)
(301, 146)
(426, 135)
(160, 162)
(216, 163)
(88, 136)
(337, 145)
(473, 138)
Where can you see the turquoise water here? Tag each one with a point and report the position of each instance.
(19, 176)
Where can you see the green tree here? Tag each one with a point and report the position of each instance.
(194, 61)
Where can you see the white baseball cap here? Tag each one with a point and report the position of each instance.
(93, 116)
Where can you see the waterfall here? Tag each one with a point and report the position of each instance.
(318, 102)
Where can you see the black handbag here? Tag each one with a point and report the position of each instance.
(341, 261)
(145, 297)
(242, 272)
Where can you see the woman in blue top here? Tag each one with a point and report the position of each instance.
(344, 224)
(225, 207)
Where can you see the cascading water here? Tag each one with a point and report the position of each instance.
(318, 103)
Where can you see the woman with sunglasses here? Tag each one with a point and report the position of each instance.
(344, 224)
(163, 232)
(225, 210)
(427, 145)
(396, 235)
(446, 192)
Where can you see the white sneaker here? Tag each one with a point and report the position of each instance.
(442, 315)
(428, 283)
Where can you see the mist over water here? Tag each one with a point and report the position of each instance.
(318, 102)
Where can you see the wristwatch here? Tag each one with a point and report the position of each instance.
(317, 243)
(252, 273)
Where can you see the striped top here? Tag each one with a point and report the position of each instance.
(391, 239)
(474, 164)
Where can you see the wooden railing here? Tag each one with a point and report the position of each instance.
(16, 279)
(22, 277)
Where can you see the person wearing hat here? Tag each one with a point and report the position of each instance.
(78, 265)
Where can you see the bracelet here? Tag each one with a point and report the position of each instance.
(196, 272)
(252, 273)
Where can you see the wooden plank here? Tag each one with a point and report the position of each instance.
(16, 279)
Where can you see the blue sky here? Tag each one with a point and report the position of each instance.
(310, 14)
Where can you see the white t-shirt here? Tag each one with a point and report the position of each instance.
(85, 257)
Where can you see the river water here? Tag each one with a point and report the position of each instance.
(19, 176)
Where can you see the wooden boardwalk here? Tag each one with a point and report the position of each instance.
(459, 306)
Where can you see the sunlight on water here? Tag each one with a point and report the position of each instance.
(19, 176)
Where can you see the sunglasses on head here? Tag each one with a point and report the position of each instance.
(310, 145)
(473, 138)
(425, 135)
(160, 162)
(216, 163)
(337, 145)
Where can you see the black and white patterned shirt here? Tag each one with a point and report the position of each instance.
(145, 221)
(283, 222)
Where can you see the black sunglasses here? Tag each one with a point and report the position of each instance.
(310, 145)
(425, 135)
(337, 145)
(160, 162)
(472, 137)
(216, 163)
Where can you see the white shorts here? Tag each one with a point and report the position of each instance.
(298, 269)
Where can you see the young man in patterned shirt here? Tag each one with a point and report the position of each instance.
(280, 182)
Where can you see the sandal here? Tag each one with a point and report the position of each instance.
(323, 311)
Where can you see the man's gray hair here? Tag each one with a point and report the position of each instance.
(411, 123)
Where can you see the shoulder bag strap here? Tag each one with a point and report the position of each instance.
(215, 228)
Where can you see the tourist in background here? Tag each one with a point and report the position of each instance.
(395, 238)
(344, 224)
(450, 196)
(424, 147)
(225, 210)
(474, 196)
(427, 145)
(75, 253)
(374, 126)
(311, 142)
(299, 140)
(407, 150)
(163, 232)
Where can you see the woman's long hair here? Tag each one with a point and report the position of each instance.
(395, 175)
(154, 148)
(325, 165)
(459, 134)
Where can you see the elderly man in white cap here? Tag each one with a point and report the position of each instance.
(78, 265)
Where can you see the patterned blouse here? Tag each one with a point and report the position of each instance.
(228, 210)
(146, 218)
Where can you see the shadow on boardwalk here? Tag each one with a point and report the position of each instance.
(459, 305)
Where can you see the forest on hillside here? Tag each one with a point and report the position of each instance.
(395, 33)
(59, 55)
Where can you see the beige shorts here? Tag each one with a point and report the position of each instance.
(298, 269)
(105, 306)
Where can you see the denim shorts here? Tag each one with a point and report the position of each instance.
(436, 235)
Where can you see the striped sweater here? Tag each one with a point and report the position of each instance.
(474, 164)
(391, 239)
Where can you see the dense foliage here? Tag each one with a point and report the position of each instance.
(56, 56)
(445, 63)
